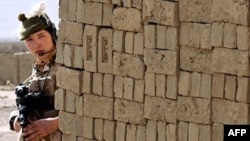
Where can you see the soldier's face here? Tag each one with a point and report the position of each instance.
(40, 43)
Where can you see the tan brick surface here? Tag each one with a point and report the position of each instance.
(160, 109)
(228, 112)
(128, 111)
(122, 65)
(230, 61)
(152, 70)
(128, 19)
(161, 61)
(195, 110)
(103, 106)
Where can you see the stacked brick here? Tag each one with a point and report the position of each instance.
(152, 70)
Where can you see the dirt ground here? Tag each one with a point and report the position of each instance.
(7, 104)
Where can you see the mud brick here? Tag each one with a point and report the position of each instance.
(107, 14)
(218, 85)
(127, 3)
(129, 111)
(80, 9)
(128, 88)
(184, 83)
(80, 139)
(161, 130)
(183, 131)
(150, 84)
(79, 105)
(171, 132)
(103, 106)
(205, 38)
(230, 87)
(63, 9)
(72, 7)
(73, 76)
(100, 1)
(117, 2)
(217, 132)
(172, 86)
(70, 123)
(105, 39)
(153, 9)
(109, 130)
(196, 110)
(97, 83)
(128, 19)
(78, 57)
(161, 36)
(108, 85)
(195, 84)
(118, 87)
(66, 137)
(160, 109)
(131, 132)
(138, 44)
(122, 65)
(87, 78)
(90, 48)
(206, 86)
(120, 132)
(70, 35)
(193, 132)
(194, 35)
(139, 90)
(243, 90)
(205, 132)
(229, 11)
(161, 61)
(196, 59)
(172, 38)
(150, 36)
(160, 85)
(151, 131)
(217, 34)
(88, 127)
(98, 128)
(141, 133)
(69, 52)
(229, 35)
(59, 53)
(137, 4)
(129, 42)
(231, 113)
(200, 11)
(184, 33)
(93, 13)
(59, 99)
(243, 35)
(231, 61)
(118, 41)
(70, 101)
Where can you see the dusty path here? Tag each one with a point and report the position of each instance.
(7, 104)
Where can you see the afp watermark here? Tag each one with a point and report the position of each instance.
(236, 132)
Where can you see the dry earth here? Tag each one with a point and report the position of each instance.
(7, 104)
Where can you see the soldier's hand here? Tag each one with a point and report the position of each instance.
(40, 128)
(16, 125)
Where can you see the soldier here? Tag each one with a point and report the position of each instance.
(39, 34)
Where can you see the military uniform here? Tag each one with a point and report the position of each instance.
(43, 79)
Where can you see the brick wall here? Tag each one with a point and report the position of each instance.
(15, 63)
(152, 70)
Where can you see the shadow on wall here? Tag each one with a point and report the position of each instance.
(15, 63)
